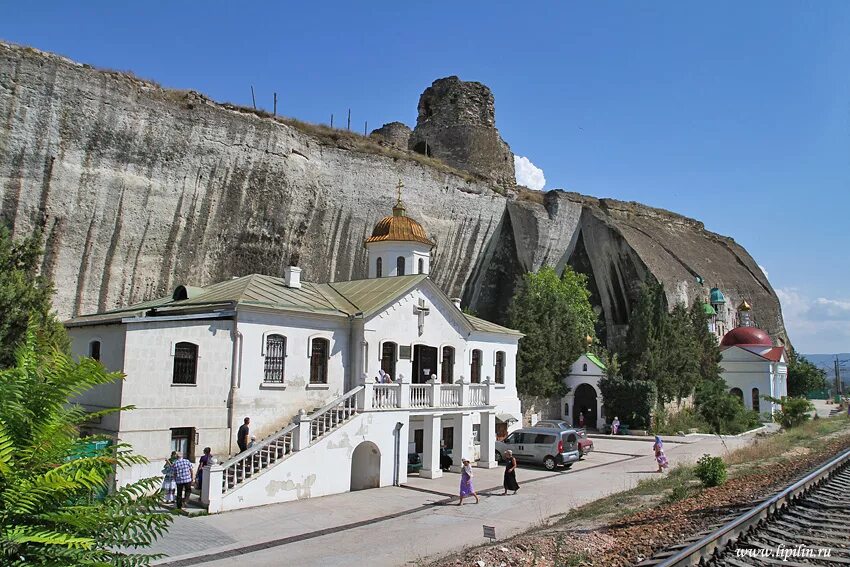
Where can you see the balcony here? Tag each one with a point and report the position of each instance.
(433, 395)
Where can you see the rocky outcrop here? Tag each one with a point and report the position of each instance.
(393, 134)
(137, 189)
(457, 125)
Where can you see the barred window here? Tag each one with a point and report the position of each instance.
(500, 367)
(275, 358)
(475, 370)
(185, 363)
(319, 361)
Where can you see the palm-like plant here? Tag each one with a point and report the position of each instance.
(49, 476)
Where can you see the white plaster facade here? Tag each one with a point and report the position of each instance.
(584, 373)
(756, 371)
(415, 256)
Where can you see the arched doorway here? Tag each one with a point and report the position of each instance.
(585, 402)
(366, 466)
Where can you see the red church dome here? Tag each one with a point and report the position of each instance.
(746, 336)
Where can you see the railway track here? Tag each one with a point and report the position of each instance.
(807, 523)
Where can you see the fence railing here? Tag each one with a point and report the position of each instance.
(450, 396)
(477, 395)
(420, 395)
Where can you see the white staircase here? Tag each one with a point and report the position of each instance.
(280, 445)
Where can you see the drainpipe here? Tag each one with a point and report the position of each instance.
(397, 434)
(235, 374)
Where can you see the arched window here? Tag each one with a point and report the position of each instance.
(421, 266)
(584, 367)
(500, 367)
(737, 393)
(475, 368)
(388, 358)
(185, 363)
(447, 369)
(94, 350)
(379, 268)
(275, 359)
(756, 403)
(319, 361)
(399, 266)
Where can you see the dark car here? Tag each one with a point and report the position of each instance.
(585, 443)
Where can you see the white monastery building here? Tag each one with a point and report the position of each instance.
(752, 366)
(301, 360)
(584, 395)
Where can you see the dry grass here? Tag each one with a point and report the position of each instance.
(526, 194)
(809, 435)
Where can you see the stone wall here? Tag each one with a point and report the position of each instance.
(394, 134)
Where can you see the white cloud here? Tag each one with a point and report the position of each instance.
(815, 326)
(528, 174)
(764, 271)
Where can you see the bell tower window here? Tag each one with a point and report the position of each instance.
(399, 266)
(379, 268)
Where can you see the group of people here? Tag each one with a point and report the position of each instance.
(383, 377)
(178, 476)
(509, 482)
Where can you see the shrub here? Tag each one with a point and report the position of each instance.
(794, 412)
(711, 471)
(631, 400)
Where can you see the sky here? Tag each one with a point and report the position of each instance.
(734, 113)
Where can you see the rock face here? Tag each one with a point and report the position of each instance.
(394, 134)
(457, 125)
(137, 189)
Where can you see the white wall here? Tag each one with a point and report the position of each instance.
(325, 468)
(111, 339)
(745, 370)
(389, 252)
(272, 406)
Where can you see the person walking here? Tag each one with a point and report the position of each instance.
(660, 457)
(581, 420)
(183, 477)
(204, 461)
(169, 486)
(243, 434)
(510, 482)
(466, 488)
(615, 425)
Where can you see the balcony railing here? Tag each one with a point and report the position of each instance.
(423, 396)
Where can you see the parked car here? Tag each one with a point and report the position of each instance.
(585, 443)
(539, 445)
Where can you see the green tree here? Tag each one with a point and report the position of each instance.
(706, 344)
(555, 315)
(49, 476)
(24, 295)
(717, 406)
(630, 400)
(793, 412)
(803, 376)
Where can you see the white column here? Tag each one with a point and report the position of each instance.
(464, 392)
(431, 436)
(570, 403)
(600, 420)
(365, 396)
(435, 393)
(487, 431)
(404, 392)
(301, 439)
(462, 442)
(211, 495)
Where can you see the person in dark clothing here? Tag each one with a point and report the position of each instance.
(510, 473)
(445, 458)
(242, 435)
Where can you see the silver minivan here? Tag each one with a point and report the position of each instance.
(541, 446)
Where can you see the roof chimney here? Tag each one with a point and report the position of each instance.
(456, 301)
(292, 277)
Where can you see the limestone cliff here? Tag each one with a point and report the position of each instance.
(138, 188)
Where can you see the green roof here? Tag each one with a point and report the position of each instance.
(709, 310)
(342, 299)
(716, 296)
(595, 360)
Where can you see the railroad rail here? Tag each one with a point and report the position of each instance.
(807, 523)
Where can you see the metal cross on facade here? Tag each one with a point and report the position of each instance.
(421, 311)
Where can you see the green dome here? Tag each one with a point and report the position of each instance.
(709, 310)
(717, 296)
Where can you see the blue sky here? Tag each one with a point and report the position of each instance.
(736, 113)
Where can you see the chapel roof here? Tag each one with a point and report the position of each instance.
(399, 227)
(740, 336)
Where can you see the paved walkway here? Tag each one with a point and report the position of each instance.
(404, 525)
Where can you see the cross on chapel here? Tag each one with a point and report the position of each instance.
(421, 311)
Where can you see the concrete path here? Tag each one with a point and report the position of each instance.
(405, 525)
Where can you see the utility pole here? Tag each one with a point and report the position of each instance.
(332, 119)
(253, 100)
(274, 113)
(348, 127)
(365, 127)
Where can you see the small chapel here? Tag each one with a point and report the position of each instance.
(342, 381)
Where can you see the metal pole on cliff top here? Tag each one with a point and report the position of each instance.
(274, 113)
(348, 127)
(365, 127)
(332, 120)
(253, 100)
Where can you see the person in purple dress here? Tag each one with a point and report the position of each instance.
(466, 488)
(660, 457)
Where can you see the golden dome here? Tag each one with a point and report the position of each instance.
(399, 228)
(589, 340)
(744, 306)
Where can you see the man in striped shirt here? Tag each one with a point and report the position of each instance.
(183, 477)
